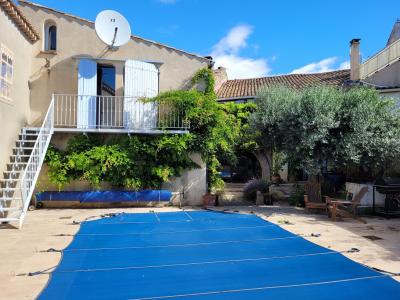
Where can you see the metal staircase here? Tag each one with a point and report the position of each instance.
(17, 187)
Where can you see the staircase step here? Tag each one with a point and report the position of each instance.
(25, 141)
(9, 179)
(23, 148)
(6, 220)
(17, 171)
(9, 198)
(29, 134)
(10, 209)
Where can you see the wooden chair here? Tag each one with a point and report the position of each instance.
(312, 197)
(346, 208)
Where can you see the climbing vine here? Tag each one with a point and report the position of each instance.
(206, 76)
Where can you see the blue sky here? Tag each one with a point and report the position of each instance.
(254, 38)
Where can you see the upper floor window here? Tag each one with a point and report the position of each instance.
(6, 74)
(50, 36)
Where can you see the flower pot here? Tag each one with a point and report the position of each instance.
(208, 199)
(276, 178)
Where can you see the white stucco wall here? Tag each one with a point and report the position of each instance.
(14, 113)
(76, 38)
(193, 183)
(367, 200)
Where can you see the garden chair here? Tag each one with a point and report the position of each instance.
(312, 197)
(346, 208)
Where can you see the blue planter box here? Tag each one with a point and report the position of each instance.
(106, 196)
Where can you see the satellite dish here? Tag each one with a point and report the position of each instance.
(112, 28)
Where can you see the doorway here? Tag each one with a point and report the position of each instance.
(106, 102)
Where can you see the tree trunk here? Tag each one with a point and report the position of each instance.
(264, 158)
(313, 188)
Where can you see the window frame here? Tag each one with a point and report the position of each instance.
(8, 78)
(47, 41)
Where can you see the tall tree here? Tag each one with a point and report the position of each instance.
(323, 123)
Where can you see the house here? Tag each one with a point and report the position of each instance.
(59, 79)
(381, 71)
(243, 90)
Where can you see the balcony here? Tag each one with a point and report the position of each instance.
(115, 114)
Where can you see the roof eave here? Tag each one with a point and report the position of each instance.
(19, 20)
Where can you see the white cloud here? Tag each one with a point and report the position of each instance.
(325, 65)
(344, 65)
(226, 53)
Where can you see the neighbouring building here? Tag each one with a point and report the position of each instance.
(243, 90)
(380, 71)
(56, 74)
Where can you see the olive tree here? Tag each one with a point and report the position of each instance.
(324, 123)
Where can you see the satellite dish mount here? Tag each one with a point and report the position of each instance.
(112, 28)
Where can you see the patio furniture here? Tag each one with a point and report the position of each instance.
(313, 198)
(346, 208)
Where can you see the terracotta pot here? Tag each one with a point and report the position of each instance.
(276, 178)
(208, 199)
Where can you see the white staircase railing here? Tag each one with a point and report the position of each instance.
(34, 164)
(382, 59)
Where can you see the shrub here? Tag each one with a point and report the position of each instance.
(296, 198)
(253, 186)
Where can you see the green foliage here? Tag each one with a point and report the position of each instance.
(327, 123)
(135, 162)
(296, 197)
(253, 186)
(206, 76)
(239, 113)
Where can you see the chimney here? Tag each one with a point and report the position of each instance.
(220, 77)
(355, 59)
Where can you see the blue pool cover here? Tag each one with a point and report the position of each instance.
(105, 196)
(206, 255)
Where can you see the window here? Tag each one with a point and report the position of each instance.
(6, 74)
(50, 36)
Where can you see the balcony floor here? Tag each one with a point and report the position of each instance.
(121, 130)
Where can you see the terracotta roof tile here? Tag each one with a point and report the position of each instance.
(249, 87)
(19, 20)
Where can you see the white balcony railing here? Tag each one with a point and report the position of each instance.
(88, 113)
(380, 60)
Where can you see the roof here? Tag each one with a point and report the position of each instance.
(134, 37)
(395, 34)
(19, 20)
(248, 88)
